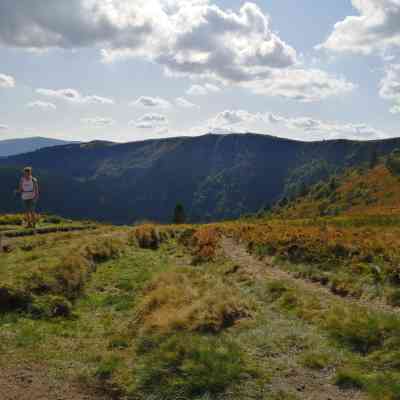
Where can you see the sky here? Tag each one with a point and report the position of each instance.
(128, 70)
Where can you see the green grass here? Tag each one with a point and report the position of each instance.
(151, 325)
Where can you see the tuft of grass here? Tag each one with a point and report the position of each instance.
(189, 365)
(107, 367)
(47, 287)
(317, 360)
(148, 236)
(190, 300)
(394, 298)
(361, 330)
(347, 378)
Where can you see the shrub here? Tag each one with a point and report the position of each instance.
(189, 365)
(179, 214)
(148, 237)
(205, 242)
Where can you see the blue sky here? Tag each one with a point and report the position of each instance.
(125, 71)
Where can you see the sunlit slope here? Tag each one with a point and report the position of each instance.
(373, 191)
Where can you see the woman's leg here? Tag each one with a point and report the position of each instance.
(34, 219)
(28, 218)
(28, 213)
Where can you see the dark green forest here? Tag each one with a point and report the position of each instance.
(214, 177)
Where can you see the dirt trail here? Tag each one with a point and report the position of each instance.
(264, 269)
(33, 383)
(307, 384)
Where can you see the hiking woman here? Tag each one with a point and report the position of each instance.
(29, 189)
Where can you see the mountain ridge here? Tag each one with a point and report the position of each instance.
(214, 176)
(11, 147)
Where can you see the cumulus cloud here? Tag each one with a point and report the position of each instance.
(390, 87)
(6, 81)
(151, 102)
(187, 37)
(150, 121)
(330, 129)
(202, 90)
(376, 28)
(3, 127)
(73, 96)
(229, 121)
(184, 103)
(42, 105)
(191, 38)
(233, 117)
(98, 121)
(308, 128)
(301, 85)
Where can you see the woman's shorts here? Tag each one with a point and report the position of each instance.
(29, 205)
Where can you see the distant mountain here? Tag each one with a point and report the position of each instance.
(18, 146)
(213, 176)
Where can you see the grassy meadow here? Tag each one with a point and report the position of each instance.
(250, 309)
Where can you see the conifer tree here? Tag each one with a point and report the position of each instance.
(179, 214)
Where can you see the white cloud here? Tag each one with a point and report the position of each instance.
(6, 81)
(233, 117)
(191, 38)
(196, 90)
(306, 128)
(73, 96)
(390, 86)
(151, 102)
(151, 121)
(3, 127)
(375, 29)
(202, 90)
(184, 103)
(43, 105)
(229, 121)
(98, 121)
(207, 41)
(329, 129)
(301, 85)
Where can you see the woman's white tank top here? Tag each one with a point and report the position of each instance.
(28, 189)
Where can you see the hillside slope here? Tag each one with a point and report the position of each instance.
(373, 191)
(12, 147)
(214, 176)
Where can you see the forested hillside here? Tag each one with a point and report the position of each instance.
(371, 190)
(213, 176)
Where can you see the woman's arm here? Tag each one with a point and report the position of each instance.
(36, 188)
